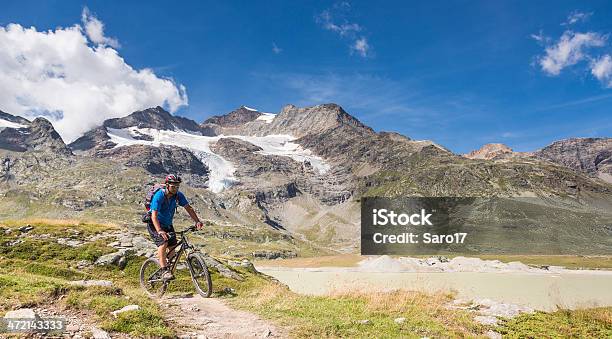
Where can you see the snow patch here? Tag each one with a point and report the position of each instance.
(9, 124)
(221, 174)
(267, 117)
(281, 144)
(250, 109)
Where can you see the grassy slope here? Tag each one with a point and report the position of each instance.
(36, 271)
(591, 323)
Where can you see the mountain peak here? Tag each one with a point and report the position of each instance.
(21, 135)
(288, 107)
(156, 118)
(489, 151)
(314, 119)
(237, 117)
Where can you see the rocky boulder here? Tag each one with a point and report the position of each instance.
(118, 259)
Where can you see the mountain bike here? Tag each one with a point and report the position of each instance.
(151, 273)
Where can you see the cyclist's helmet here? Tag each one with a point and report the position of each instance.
(173, 179)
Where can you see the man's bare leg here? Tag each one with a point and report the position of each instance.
(161, 254)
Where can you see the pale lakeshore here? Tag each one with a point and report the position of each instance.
(539, 289)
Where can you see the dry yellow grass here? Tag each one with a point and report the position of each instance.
(603, 314)
(338, 314)
(397, 301)
(56, 222)
(268, 292)
(340, 260)
(416, 305)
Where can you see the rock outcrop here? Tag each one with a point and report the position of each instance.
(489, 152)
(38, 135)
(588, 155)
(13, 118)
(156, 118)
(235, 118)
(300, 122)
(95, 139)
(160, 161)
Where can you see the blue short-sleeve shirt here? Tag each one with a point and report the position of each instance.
(165, 207)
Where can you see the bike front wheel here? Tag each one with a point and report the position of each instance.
(199, 274)
(151, 278)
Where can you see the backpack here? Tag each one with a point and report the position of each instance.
(150, 193)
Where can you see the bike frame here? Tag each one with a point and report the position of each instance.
(183, 246)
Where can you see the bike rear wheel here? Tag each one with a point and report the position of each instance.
(199, 274)
(150, 278)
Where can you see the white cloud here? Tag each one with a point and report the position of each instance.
(361, 46)
(602, 70)
(575, 17)
(344, 29)
(573, 48)
(276, 49)
(538, 37)
(569, 50)
(335, 20)
(94, 29)
(541, 38)
(57, 74)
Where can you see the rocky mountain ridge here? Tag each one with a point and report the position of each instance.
(155, 118)
(306, 182)
(234, 118)
(13, 118)
(592, 156)
(37, 135)
(589, 155)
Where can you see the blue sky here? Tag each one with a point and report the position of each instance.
(461, 73)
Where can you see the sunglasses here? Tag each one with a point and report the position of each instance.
(172, 185)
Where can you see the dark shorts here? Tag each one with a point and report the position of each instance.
(157, 239)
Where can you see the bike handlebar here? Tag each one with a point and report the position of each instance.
(190, 229)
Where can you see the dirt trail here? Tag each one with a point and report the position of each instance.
(197, 317)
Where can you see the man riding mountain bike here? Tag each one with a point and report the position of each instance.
(163, 205)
